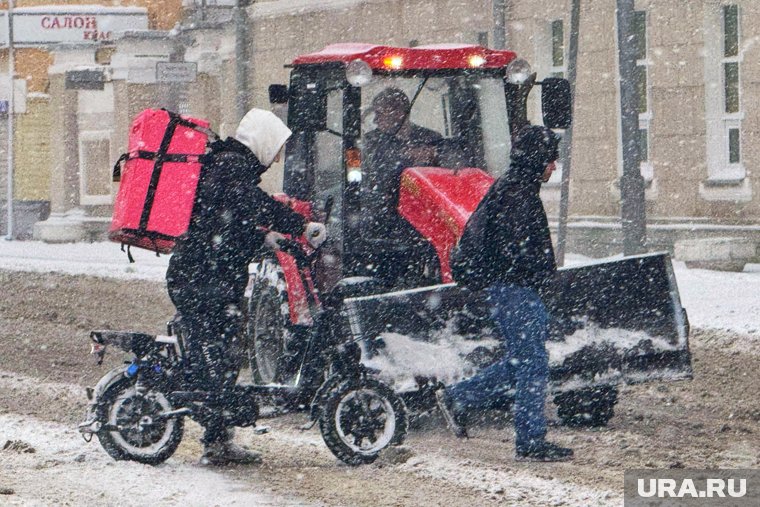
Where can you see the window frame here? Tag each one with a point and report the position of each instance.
(546, 65)
(721, 172)
(84, 197)
(731, 120)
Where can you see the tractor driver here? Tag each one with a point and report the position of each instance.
(395, 250)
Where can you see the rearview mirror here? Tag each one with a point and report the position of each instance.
(307, 111)
(278, 94)
(556, 103)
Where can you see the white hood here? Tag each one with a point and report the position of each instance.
(264, 134)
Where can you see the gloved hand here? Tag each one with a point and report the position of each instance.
(315, 234)
(272, 240)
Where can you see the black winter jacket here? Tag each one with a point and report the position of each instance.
(384, 165)
(213, 256)
(507, 237)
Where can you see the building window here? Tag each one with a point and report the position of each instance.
(723, 93)
(642, 85)
(558, 49)
(94, 165)
(731, 88)
(734, 149)
(726, 175)
(551, 61)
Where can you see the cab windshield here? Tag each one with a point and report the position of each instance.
(461, 121)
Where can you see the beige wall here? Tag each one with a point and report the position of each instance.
(679, 138)
(32, 151)
(280, 30)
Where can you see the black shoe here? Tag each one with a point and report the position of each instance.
(227, 453)
(541, 450)
(455, 421)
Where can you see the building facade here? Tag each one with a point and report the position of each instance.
(49, 170)
(698, 75)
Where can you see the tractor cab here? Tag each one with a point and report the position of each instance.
(402, 179)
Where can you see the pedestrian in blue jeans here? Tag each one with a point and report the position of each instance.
(506, 249)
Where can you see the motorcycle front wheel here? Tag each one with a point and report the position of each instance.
(360, 418)
(133, 427)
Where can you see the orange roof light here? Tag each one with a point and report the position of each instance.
(393, 62)
(353, 158)
(476, 61)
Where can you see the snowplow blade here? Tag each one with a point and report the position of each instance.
(618, 321)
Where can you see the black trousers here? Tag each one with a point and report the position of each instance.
(211, 328)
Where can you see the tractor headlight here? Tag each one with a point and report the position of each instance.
(358, 73)
(518, 71)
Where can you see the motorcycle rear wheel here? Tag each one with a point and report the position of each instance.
(131, 431)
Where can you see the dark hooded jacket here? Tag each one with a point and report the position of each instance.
(507, 237)
(385, 164)
(212, 258)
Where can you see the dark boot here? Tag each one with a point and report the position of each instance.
(541, 450)
(228, 453)
(225, 452)
(455, 419)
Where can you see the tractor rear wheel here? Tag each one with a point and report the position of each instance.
(267, 326)
(590, 408)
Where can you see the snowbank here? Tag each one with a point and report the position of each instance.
(713, 299)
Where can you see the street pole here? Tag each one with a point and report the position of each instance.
(11, 108)
(632, 203)
(499, 24)
(566, 148)
(178, 90)
(242, 58)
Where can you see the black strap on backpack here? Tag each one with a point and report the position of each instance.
(160, 157)
(116, 174)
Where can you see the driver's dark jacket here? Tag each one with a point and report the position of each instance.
(211, 259)
(384, 162)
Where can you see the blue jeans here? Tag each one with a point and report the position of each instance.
(522, 322)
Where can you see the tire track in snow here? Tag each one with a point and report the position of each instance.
(63, 446)
(66, 470)
(493, 482)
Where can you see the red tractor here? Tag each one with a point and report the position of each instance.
(474, 97)
(362, 331)
(473, 100)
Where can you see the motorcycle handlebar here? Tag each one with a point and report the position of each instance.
(295, 249)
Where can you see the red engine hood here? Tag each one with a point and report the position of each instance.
(438, 202)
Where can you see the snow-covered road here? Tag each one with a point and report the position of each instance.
(659, 424)
(76, 473)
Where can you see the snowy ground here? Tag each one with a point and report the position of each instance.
(709, 422)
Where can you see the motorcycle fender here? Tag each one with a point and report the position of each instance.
(104, 383)
(318, 401)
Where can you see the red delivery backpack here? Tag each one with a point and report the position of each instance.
(158, 181)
